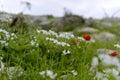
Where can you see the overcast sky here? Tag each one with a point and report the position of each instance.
(85, 8)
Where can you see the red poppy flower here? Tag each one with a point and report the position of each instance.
(86, 37)
(114, 53)
(74, 41)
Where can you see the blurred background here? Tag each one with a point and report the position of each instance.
(101, 18)
(85, 8)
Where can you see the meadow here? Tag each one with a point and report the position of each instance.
(38, 54)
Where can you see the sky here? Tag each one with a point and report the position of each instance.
(85, 8)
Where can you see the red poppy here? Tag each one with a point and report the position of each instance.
(86, 37)
(74, 41)
(114, 53)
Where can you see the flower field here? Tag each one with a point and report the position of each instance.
(47, 55)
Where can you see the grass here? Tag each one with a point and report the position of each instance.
(31, 54)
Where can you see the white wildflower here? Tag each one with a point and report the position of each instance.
(11, 71)
(67, 35)
(6, 44)
(67, 45)
(2, 42)
(38, 31)
(52, 33)
(64, 77)
(43, 31)
(81, 38)
(117, 45)
(48, 73)
(42, 73)
(13, 35)
(35, 38)
(37, 44)
(63, 44)
(12, 38)
(57, 42)
(6, 33)
(47, 38)
(32, 43)
(65, 52)
(68, 52)
(74, 72)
